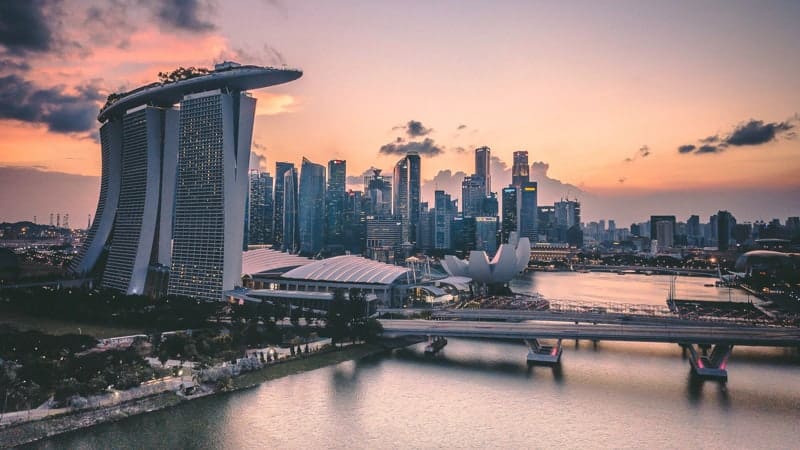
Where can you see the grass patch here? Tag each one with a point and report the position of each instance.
(25, 322)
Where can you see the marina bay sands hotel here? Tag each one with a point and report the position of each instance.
(174, 182)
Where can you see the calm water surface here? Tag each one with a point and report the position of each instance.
(478, 394)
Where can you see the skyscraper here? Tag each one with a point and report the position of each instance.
(143, 224)
(528, 211)
(725, 225)
(473, 194)
(654, 228)
(520, 171)
(335, 202)
(443, 214)
(483, 162)
(378, 193)
(174, 183)
(311, 207)
(509, 219)
(291, 235)
(260, 210)
(278, 201)
(406, 194)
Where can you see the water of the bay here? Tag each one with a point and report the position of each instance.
(479, 394)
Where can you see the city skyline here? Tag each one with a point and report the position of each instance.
(652, 124)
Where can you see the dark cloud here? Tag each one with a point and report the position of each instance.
(622, 180)
(414, 128)
(756, 132)
(185, 15)
(539, 169)
(399, 147)
(703, 149)
(461, 127)
(24, 26)
(8, 65)
(710, 139)
(62, 113)
(643, 152)
(459, 149)
(752, 132)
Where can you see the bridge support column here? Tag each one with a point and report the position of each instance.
(435, 343)
(543, 354)
(713, 366)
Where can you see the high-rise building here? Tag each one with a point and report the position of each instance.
(425, 230)
(665, 233)
(174, 182)
(384, 238)
(520, 171)
(509, 217)
(311, 207)
(378, 194)
(654, 231)
(490, 207)
(143, 220)
(546, 222)
(462, 234)
(291, 233)
(335, 202)
(278, 200)
(473, 195)
(725, 226)
(260, 210)
(406, 194)
(528, 211)
(355, 222)
(486, 234)
(483, 166)
(443, 214)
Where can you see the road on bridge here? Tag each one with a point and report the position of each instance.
(638, 332)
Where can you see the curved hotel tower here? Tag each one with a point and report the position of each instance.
(174, 183)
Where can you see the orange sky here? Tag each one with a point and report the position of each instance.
(581, 86)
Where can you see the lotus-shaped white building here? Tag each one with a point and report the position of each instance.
(510, 260)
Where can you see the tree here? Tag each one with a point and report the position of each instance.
(339, 315)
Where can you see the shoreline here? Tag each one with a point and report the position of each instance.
(29, 432)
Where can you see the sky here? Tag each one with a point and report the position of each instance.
(634, 107)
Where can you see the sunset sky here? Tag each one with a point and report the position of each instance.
(637, 108)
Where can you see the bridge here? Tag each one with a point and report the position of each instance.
(697, 340)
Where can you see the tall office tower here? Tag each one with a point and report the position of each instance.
(51, 219)
(653, 227)
(486, 234)
(546, 222)
(378, 193)
(260, 209)
(384, 238)
(174, 183)
(725, 226)
(311, 207)
(58, 220)
(406, 194)
(355, 222)
(694, 232)
(462, 234)
(509, 218)
(443, 213)
(483, 166)
(66, 220)
(489, 205)
(528, 211)
(278, 199)
(665, 233)
(520, 171)
(568, 213)
(473, 194)
(425, 230)
(291, 233)
(143, 225)
(335, 195)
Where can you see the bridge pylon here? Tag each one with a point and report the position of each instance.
(435, 343)
(713, 366)
(543, 354)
